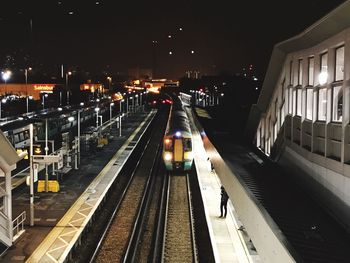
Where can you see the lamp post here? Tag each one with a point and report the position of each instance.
(67, 74)
(110, 114)
(26, 77)
(109, 82)
(46, 153)
(31, 177)
(136, 100)
(79, 137)
(76, 155)
(120, 106)
(28, 98)
(127, 105)
(6, 76)
(44, 96)
(97, 109)
(2, 101)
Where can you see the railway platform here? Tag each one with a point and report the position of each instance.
(59, 218)
(229, 240)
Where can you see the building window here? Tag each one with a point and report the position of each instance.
(322, 78)
(322, 104)
(311, 71)
(294, 101)
(275, 131)
(291, 73)
(282, 116)
(339, 64)
(290, 100)
(300, 72)
(337, 100)
(309, 99)
(298, 101)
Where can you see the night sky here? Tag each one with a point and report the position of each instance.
(225, 36)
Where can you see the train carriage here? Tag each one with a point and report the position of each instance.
(177, 144)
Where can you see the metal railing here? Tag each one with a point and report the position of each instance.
(18, 224)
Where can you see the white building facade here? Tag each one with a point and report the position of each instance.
(302, 118)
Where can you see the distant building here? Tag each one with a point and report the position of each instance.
(302, 117)
(92, 87)
(23, 90)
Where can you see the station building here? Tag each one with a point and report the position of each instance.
(24, 90)
(301, 119)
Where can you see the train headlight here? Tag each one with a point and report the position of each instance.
(188, 155)
(168, 156)
(178, 134)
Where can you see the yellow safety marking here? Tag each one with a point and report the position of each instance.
(42, 252)
(202, 113)
(178, 150)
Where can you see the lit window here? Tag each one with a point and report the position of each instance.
(309, 99)
(339, 63)
(275, 131)
(282, 116)
(322, 104)
(290, 100)
(337, 109)
(311, 71)
(300, 72)
(291, 73)
(298, 101)
(323, 65)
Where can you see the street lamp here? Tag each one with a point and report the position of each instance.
(2, 101)
(127, 105)
(67, 74)
(120, 106)
(97, 109)
(28, 98)
(6, 76)
(109, 82)
(26, 77)
(44, 96)
(110, 114)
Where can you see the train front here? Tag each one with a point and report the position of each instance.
(177, 151)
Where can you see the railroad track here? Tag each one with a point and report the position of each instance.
(116, 243)
(179, 240)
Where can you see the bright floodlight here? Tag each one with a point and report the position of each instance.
(71, 118)
(178, 134)
(168, 156)
(98, 100)
(97, 109)
(112, 104)
(3, 100)
(322, 78)
(81, 103)
(6, 75)
(59, 109)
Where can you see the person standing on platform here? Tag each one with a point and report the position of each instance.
(223, 203)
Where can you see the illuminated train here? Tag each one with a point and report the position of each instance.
(177, 144)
